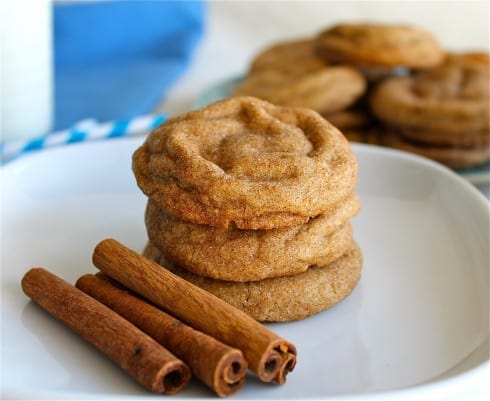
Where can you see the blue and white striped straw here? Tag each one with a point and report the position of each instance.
(85, 130)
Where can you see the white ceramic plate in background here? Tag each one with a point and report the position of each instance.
(416, 325)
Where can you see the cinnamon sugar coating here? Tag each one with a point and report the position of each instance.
(247, 163)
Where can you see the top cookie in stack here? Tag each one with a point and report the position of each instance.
(252, 202)
(246, 163)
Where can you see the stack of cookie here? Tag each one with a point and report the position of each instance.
(442, 113)
(413, 90)
(378, 52)
(253, 202)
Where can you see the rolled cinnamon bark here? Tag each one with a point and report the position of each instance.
(134, 351)
(219, 366)
(269, 356)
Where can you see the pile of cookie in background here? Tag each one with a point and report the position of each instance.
(238, 204)
(391, 85)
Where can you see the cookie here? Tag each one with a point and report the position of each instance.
(289, 57)
(379, 45)
(453, 98)
(448, 139)
(357, 124)
(470, 59)
(246, 255)
(454, 157)
(324, 90)
(246, 163)
(286, 298)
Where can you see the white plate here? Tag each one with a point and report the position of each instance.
(416, 325)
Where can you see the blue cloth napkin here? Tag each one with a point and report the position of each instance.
(116, 60)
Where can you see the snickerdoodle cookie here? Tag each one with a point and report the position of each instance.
(324, 90)
(455, 157)
(284, 298)
(245, 255)
(445, 138)
(368, 44)
(451, 98)
(247, 163)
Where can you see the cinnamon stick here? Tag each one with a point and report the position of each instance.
(269, 356)
(219, 366)
(134, 351)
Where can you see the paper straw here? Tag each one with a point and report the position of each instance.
(86, 130)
